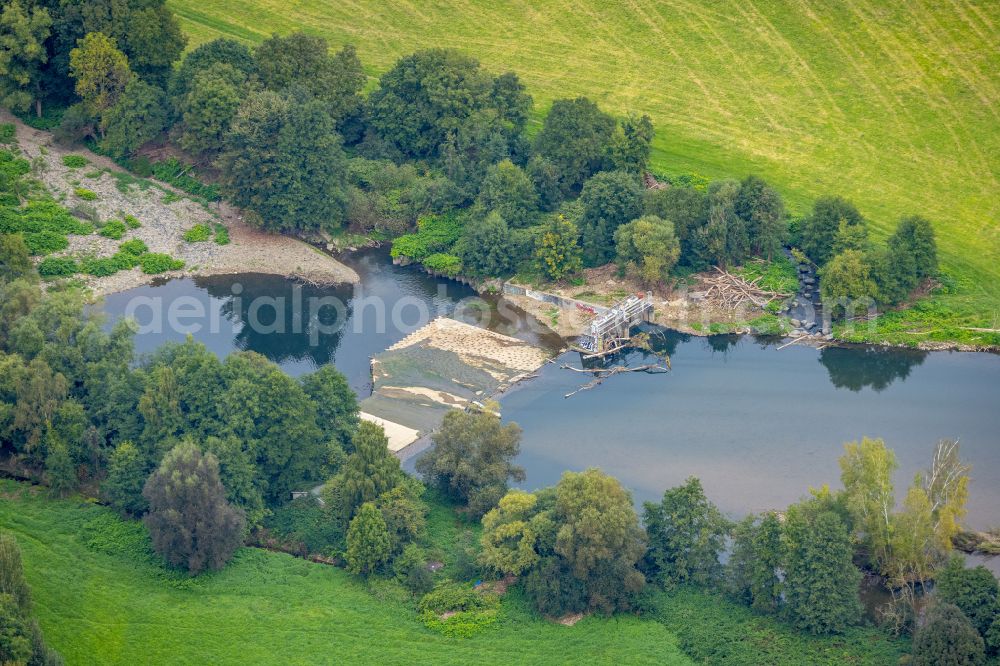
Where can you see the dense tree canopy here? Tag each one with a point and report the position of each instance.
(189, 520)
(283, 160)
(648, 248)
(819, 229)
(610, 199)
(575, 138)
(24, 30)
(947, 639)
(139, 116)
(472, 459)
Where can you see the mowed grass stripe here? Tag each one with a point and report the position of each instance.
(896, 105)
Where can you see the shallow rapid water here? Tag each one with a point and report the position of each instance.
(758, 425)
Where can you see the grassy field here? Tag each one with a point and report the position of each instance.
(102, 598)
(894, 104)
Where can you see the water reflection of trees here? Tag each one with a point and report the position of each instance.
(855, 368)
(289, 339)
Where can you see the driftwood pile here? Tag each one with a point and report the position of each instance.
(600, 374)
(730, 291)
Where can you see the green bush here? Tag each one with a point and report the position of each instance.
(85, 194)
(221, 235)
(174, 172)
(305, 524)
(468, 612)
(75, 161)
(45, 242)
(154, 262)
(435, 234)
(44, 215)
(132, 222)
(57, 267)
(136, 247)
(105, 266)
(7, 132)
(113, 229)
(446, 264)
(198, 233)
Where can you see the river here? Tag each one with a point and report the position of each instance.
(756, 424)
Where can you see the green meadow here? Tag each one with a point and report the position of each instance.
(102, 597)
(893, 104)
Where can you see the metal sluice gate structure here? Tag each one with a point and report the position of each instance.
(611, 331)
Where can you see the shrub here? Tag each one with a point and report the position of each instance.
(198, 233)
(175, 173)
(435, 233)
(114, 229)
(305, 524)
(75, 161)
(154, 262)
(45, 242)
(468, 612)
(975, 591)
(43, 215)
(446, 264)
(132, 222)
(57, 267)
(7, 133)
(105, 266)
(85, 211)
(136, 247)
(85, 194)
(947, 639)
(221, 235)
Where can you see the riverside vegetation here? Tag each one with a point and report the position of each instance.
(196, 456)
(540, 203)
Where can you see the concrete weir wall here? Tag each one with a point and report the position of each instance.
(554, 299)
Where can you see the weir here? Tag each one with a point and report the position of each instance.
(612, 330)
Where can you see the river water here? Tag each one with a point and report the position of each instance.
(756, 424)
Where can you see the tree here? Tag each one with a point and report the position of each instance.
(284, 161)
(819, 230)
(557, 249)
(508, 191)
(301, 60)
(947, 639)
(223, 51)
(60, 472)
(575, 137)
(336, 404)
(630, 143)
(975, 591)
(405, 514)
(271, 415)
(368, 544)
(545, 177)
(15, 634)
(914, 236)
(15, 259)
(686, 207)
(23, 33)
(138, 117)
(761, 207)
(471, 460)
(101, 72)
(208, 108)
(866, 470)
(510, 540)
(486, 247)
(127, 473)
(913, 553)
(599, 537)
(12, 580)
(757, 556)
(725, 238)
(431, 93)
(845, 282)
(946, 484)
(686, 534)
(610, 199)
(648, 247)
(189, 520)
(369, 471)
(821, 581)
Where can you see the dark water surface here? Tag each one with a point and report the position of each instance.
(758, 425)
